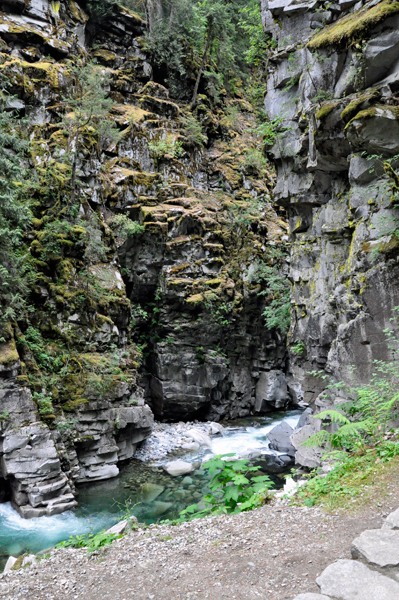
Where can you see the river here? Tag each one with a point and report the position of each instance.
(103, 504)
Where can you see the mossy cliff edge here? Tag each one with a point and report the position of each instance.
(148, 287)
(334, 80)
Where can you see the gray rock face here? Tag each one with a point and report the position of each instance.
(279, 438)
(344, 265)
(271, 391)
(350, 580)
(379, 547)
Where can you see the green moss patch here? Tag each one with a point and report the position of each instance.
(355, 26)
(325, 110)
(355, 105)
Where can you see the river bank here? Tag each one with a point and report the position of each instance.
(275, 552)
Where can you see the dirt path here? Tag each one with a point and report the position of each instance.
(272, 553)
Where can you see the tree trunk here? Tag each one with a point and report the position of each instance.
(154, 11)
(74, 164)
(203, 62)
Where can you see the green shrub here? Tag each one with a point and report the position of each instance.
(90, 541)
(192, 132)
(168, 146)
(123, 227)
(254, 161)
(233, 486)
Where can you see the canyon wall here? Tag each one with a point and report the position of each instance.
(181, 295)
(333, 95)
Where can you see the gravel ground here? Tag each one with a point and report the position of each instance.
(274, 552)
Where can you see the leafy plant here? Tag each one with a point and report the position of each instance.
(233, 486)
(298, 348)
(271, 130)
(45, 405)
(254, 161)
(362, 434)
(123, 227)
(276, 293)
(90, 541)
(168, 146)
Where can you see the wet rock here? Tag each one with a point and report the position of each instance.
(280, 440)
(191, 446)
(273, 463)
(178, 467)
(150, 491)
(216, 428)
(159, 508)
(200, 437)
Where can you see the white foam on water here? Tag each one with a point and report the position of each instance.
(18, 534)
(252, 438)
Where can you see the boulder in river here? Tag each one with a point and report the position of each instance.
(272, 463)
(150, 491)
(158, 508)
(215, 428)
(178, 467)
(279, 438)
(200, 437)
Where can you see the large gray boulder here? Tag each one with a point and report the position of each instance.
(279, 438)
(351, 580)
(307, 457)
(379, 547)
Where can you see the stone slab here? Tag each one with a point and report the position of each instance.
(392, 521)
(379, 547)
(351, 580)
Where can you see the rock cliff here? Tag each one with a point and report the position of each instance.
(333, 95)
(181, 293)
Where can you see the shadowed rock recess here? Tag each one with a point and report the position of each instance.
(180, 296)
(333, 84)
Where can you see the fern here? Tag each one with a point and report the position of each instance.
(364, 419)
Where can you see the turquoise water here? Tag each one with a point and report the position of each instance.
(103, 504)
